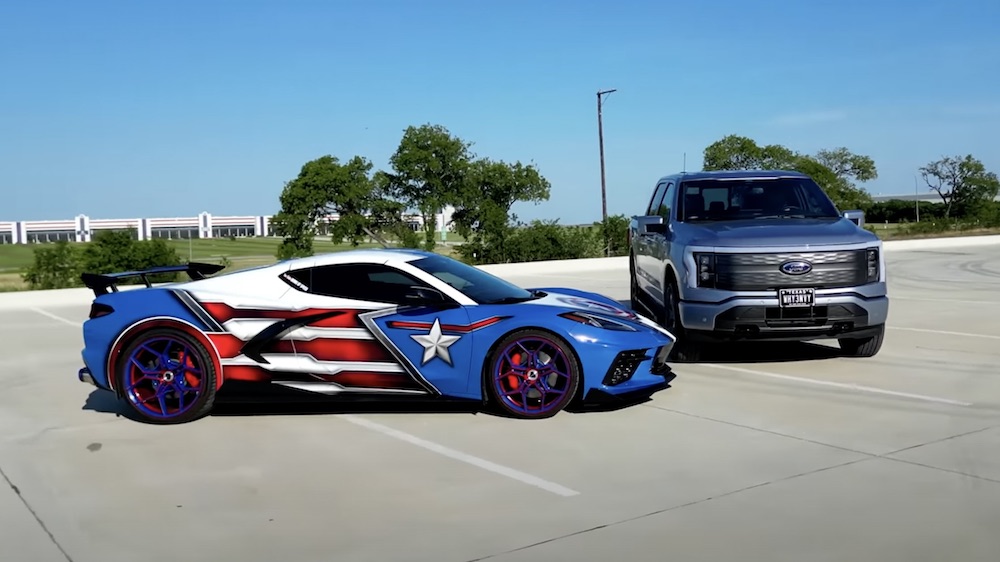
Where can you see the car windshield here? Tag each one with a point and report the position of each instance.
(478, 285)
(754, 198)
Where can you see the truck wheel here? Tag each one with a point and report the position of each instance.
(633, 287)
(670, 318)
(865, 347)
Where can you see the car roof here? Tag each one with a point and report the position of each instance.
(362, 255)
(734, 175)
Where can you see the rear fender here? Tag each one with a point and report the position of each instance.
(137, 329)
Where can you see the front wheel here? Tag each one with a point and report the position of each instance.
(532, 374)
(167, 377)
(633, 288)
(670, 319)
(865, 347)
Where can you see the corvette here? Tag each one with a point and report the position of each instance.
(363, 322)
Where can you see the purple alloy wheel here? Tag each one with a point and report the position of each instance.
(164, 377)
(532, 375)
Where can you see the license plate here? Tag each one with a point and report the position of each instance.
(792, 298)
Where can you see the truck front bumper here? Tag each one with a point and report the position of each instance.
(762, 318)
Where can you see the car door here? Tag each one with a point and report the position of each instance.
(385, 340)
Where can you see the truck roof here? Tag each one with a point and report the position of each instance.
(735, 174)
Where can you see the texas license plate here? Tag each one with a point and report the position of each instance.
(792, 298)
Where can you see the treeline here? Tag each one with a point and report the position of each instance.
(432, 169)
(59, 265)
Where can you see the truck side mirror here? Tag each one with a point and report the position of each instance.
(856, 216)
(652, 224)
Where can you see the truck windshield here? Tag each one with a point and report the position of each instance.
(754, 198)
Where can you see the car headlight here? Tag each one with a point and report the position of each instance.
(872, 258)
(598, 321)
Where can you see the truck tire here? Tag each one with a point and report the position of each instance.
(670, 318)
(864, 347)
(633, 287)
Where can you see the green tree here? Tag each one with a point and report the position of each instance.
(482, 205)
(55, 266)
(118, 250)
(963, 183)
(429, 170)
(326, 186)
(614, 234)
(834, 170)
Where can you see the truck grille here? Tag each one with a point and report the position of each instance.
(761, 272)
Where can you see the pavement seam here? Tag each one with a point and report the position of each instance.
(768, 431)
(675, 507)
(38, 519)
(941, 440)
(883, 456)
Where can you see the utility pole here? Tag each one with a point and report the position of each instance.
(917, 193)
(600, 140)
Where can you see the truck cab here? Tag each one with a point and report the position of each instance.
(760, 255)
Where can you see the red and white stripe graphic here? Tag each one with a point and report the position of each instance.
(337, 349)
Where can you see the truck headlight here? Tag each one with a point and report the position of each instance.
(705, 264)
(871, 256)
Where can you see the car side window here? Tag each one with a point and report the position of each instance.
(663, 209)
(654, 203)
(363, 281)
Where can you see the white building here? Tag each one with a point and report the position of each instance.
(205, 225)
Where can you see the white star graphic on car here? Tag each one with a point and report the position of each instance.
(436, 344)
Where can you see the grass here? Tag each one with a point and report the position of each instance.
(239, 253)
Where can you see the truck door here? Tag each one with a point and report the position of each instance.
(661, 243)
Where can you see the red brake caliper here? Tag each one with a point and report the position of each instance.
(513, 381)
(191, 380)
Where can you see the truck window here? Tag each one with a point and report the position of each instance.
(667, 202)
(741, 199)
(654, 203)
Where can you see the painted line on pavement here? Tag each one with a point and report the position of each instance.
(511, 473)
(946, 333)
(56, 317)
(841, 385)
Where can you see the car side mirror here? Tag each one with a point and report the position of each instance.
(855, 216)
(425, 295)
(652, 224)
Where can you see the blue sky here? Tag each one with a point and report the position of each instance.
(124, 109)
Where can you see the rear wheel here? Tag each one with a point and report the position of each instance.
(167, 377)
(864, 347)
(532, 374)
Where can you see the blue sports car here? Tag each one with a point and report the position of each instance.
(364, 322)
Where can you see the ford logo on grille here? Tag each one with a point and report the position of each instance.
(796, 267)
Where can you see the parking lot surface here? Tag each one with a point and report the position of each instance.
(770, 453)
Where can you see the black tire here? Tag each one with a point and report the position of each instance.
(670, 318)
(864, 347)
(197, 357)
(633, 288)
(564, 360)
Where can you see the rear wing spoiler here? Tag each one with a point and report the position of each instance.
(100, 283)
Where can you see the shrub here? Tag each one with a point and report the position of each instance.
(56, 266)
(59, 265)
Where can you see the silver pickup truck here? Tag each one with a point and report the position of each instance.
(756, 255)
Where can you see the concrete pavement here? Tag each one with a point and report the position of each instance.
(767, 453)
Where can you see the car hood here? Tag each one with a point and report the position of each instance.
(575, 299)
(778, 232)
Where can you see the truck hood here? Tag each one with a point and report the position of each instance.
(778, 232)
